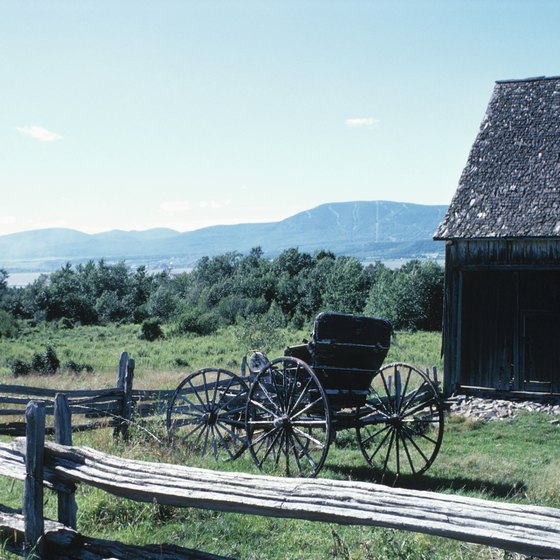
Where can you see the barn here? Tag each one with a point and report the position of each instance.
(502, 258)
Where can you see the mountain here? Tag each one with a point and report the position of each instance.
(377, 230)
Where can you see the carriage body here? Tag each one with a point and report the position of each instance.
(346, 352)
(287, 411)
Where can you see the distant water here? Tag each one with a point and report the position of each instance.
(20, 279)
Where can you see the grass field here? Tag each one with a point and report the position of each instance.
(516, 460)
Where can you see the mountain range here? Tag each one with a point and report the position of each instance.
(369, 230)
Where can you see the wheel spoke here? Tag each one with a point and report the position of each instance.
(308, 407)
(389, 447)
(404, 389)
(235, 436)
(306, 453)
(419, 406)
(302, 393)
(262, 407)
(224, 443)
(411, 439)
(390, 408)
(379, 445)
(309, 437)
(373, 436)
(193, 431)
(216, 384)
(408, 456)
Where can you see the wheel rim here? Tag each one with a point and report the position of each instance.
(400, 427)
(206, 412)
(288, 419)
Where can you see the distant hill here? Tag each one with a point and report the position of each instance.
(372, 230)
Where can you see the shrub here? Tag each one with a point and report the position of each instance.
(9, 327)
(75, 367)
(181, 362)
(192, 320)
(19, 367)
(261, 332)
(46, 363)
(151, 330)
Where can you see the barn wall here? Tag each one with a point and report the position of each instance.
(502, 314)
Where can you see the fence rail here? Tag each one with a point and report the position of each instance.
(524, 529)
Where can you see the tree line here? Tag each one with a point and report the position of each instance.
(228, 289)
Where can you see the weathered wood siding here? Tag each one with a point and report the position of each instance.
(502, 314)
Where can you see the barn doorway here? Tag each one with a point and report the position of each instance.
(540, 350)
(510, 330)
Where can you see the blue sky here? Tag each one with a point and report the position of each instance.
(183, 114)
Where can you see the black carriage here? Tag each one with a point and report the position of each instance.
(286, 412)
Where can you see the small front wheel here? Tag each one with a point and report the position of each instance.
(206, 413)
(400, 427)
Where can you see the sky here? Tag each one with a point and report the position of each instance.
(184, 114)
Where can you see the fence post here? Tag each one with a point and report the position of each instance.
(67, 508)
(33, 486)
(128, 403)
(121, 374)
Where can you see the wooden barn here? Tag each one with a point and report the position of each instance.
(502, 264)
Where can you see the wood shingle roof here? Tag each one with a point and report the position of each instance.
(510, 186)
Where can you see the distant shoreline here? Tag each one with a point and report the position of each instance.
(22, 279)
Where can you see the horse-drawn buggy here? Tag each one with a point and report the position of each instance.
(285, 412)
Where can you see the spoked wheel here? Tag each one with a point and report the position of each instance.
(400, 427)
(206, 413)
(288, 419)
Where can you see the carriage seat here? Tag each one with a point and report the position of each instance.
(345, 352)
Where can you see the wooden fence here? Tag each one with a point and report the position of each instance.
(525, 529)
(94, 408)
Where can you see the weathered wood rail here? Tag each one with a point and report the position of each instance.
(524, 529)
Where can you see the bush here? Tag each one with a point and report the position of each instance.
(192, 320)
(75, 367)
(181, 362)
(46, 363)
(9, 327)
(261, 332)
(151, 330)
(19, 367)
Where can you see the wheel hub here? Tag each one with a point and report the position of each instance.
(211, 418)
(283, 422)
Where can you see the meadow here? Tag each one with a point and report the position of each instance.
(515, 460)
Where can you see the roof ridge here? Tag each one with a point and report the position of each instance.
(531, 79)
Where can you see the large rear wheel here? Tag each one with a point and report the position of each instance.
(288, 419)
(400, 427)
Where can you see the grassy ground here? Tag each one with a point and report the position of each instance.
(516, 460)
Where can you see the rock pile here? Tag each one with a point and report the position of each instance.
(496, 409)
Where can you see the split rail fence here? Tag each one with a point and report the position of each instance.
(524, 529)
(95, 408)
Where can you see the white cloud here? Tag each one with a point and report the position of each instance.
(173, 206)
(39, 133)
(362, 122)
(214, 204)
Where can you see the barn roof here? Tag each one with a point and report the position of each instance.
(510, 186)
